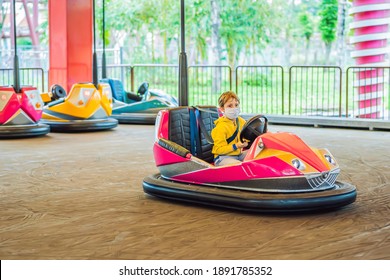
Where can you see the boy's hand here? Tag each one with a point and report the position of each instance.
(242, 145)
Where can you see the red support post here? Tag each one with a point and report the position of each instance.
(70, 42)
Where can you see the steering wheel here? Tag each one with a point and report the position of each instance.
(143, 88)
(57, 92)
(253, 128)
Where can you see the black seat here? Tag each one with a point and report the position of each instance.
(117, 88)
(207, 115)
(184, 129)
(179, 127)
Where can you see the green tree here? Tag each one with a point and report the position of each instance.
(306, 23)
(260, 29)
(243, 23)
(122, 25)
(198, 28)
(328, 23)
(284, 14)
(235, 31)
(166, 23)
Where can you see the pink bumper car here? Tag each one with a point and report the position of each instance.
(280, 173)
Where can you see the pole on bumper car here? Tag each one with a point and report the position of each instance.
(183, 74)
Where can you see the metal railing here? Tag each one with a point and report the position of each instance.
(28, 76)
(261, 89)
(315, 91)
(123, 72)
(309, 91)
(206, 82)
(159, 76)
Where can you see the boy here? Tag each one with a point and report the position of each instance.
(227, 147)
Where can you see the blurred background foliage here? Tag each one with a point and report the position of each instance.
(219, 32)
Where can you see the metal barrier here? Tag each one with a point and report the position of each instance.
(206, 82)
(368, 92)
(28, 76)
(122, 72)
(261, 89)
(28, 55)
(315, 91)
(159, 76)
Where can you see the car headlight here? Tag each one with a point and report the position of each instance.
(330, 159)
(298, 164)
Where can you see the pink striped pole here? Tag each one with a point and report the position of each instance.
(371, 31)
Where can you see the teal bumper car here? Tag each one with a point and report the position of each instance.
(138, 108)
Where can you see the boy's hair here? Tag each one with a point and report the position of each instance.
(225, 97)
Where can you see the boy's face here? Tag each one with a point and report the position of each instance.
(231, 103)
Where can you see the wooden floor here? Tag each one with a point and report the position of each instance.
(79, 196)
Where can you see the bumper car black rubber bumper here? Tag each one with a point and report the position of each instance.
(341, 195)
(81, 125)
(135, 118)
(23, 131)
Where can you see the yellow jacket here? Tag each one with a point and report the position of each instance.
(225, 128)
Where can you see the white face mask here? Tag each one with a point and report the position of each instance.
(232, 113)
